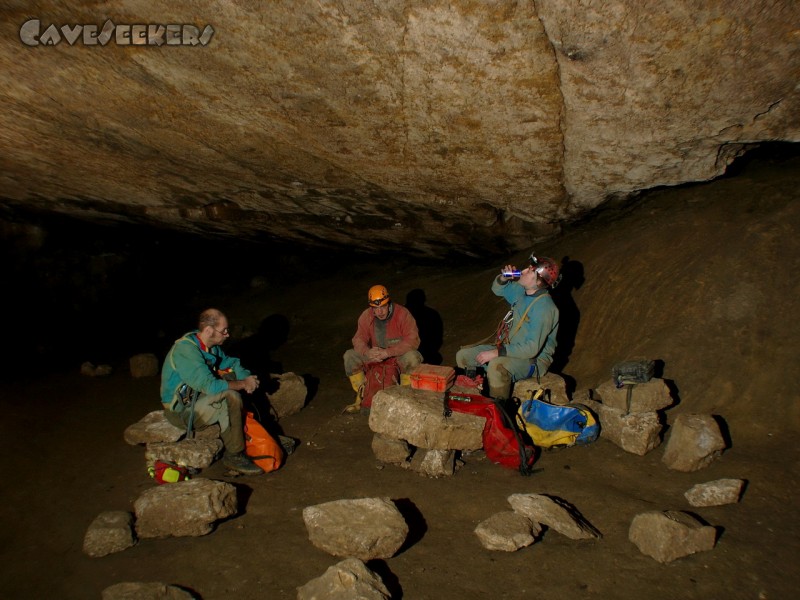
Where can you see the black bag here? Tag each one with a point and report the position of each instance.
(631, 372)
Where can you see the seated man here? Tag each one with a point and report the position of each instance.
(385, 330)
(526, 342)
(197, 366)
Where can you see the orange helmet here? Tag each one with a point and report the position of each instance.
(547, 269)
(378, 295)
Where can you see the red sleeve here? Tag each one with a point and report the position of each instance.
(362, 340)
(405, 329)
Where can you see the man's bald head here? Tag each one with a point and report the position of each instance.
(210, 317)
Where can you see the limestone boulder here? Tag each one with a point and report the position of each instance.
(350, 578)
(186, 508)
(635, 432)
(110, 532)
(144, 365)
(364, 528)
(695, 441)
(507, 531)
(290, 396)
(667, 536)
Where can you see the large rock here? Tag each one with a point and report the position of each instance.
(695, 441)
(364, 528)
(500, 119)
(349, 579)
(186, 508)
(666, 536)
(403, 413)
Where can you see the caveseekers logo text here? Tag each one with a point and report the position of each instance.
(31, 34)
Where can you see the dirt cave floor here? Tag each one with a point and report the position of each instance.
(700, 278)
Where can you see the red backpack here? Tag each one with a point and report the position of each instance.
(503, 442)
(379, 375)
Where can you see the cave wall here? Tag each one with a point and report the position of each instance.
(434, 127)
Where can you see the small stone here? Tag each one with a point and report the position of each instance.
(715, 493)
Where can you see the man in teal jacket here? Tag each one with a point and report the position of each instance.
(525, 344)
(197, 366)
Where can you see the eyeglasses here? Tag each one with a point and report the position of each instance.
(222, 332)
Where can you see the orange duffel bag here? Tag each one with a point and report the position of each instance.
(260, 446)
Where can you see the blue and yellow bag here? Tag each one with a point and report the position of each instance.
(551, 426)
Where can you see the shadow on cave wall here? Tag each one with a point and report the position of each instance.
(430, 325)
(572, 278)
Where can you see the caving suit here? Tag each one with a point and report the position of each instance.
(191, 364)
(531, 339)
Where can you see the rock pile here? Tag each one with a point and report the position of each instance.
(411, 431)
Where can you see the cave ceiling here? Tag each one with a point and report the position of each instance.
(434, 127)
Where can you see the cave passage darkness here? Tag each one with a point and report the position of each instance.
(87, 291)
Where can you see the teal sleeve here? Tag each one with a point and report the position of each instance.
(194, 371)
(231, 362)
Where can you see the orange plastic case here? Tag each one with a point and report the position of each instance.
(432, 377)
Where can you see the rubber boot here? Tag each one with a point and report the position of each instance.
(357, 380)
(405, 379)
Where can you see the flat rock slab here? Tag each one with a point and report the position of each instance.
(403, 413)
(154, 427)
(667, 536)
(186, 508)
(554, 513)
(364, 528)
(197, 453)
(349, 579)
(645, 397)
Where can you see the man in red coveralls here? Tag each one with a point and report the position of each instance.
(385, 330)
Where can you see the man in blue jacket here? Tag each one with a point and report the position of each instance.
(527, 339)
(197, 366)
